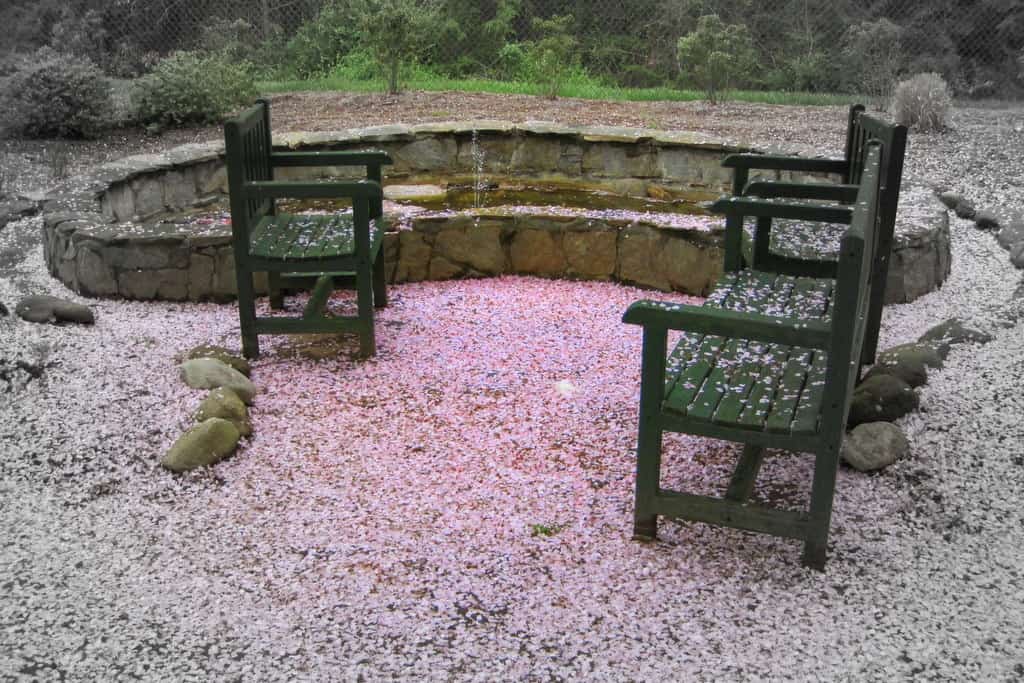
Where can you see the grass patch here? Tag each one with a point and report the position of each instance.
(586, 91)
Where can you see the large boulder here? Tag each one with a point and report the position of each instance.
(40, 308)
(207, 443)
(986, 220)
(225, 404)
(874, 446)
(209, 373)
(882, 398)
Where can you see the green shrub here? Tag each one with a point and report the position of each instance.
(395, 31)
(320, 44)
(512, 63)
(872, 56)
(640, 76)
(922, 102)
(192, 88)
(553, 57)
(716, 55)
(56, 95)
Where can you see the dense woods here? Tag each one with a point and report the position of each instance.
(977, 45)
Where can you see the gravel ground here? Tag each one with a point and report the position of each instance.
(459, 507)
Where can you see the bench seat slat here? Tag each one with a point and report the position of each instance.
(805, 420)
(787, 393)
(309, 237)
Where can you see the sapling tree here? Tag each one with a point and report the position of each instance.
(716, 54)
(395, 31)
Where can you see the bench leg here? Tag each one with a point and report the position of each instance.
(743, 477)
(648, 446)
(364, 301)
(274, 285)
(380, 292)
(826, 464)
(247, 312)
(648, 480)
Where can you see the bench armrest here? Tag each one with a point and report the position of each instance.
(278, 159)
(837, 192)
(709, 320)
(774, 208)
(277, 189)
(775, 162)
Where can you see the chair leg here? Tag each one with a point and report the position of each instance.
(364, 301)
(247, 312)
(826, 464)
(274, 285)
(380, 292)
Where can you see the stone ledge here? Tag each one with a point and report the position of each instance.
(108, 234)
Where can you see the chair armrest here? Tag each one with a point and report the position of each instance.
(774, 162)
(278, 159)
(774, 208)
(837, 192)
(277, 189)
(709, 320)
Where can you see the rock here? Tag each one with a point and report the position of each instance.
(986, 220)
(3, 310)
(15, 208)
(223, 355)
(536, 252)
(225, 404)
(874, 446)
(925, 354)
(964, 209)
(1012, 233)
(882, 398)
(913, 373)
(209, 373)
(950, 199)
(207, 443)
(1017, 255)
(944, 335)
(49, 309)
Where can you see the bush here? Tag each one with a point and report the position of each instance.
(553, 57)
(320, 44)
(56, 95)
(715, 55)
(394, 31)
(872, 55)
(922, 102)
(189, 87)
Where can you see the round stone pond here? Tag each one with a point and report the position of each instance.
(471, 199)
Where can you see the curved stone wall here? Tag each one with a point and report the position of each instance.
(119, 233)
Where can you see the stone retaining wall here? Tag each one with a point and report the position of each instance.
(113, 233)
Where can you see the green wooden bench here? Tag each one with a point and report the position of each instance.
(806, 247)
(290, 247)
(770, 361)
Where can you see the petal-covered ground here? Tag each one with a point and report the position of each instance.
(459, 507)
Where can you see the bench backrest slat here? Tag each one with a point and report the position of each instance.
(853, 296)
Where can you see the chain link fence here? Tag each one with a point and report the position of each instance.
(795, 45)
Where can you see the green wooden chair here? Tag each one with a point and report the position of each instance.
(811, 248)
(769, 361)
(294, 247)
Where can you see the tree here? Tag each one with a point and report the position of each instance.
(395, 30)
(716, 54)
